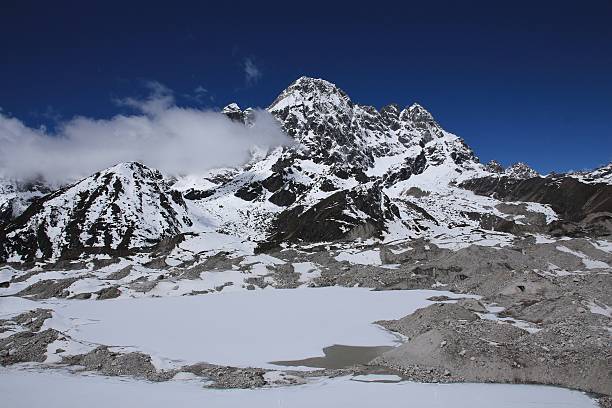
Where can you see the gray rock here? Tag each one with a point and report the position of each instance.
(472, 305)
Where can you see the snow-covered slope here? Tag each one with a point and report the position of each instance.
(601, 174)
(125, 206)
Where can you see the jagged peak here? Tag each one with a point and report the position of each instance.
(309, 90)
(232, 107)
(521, 170)
(601, 174)
(417, 106)
(494, 167)
(306, 80)
(233, 112)
(417, 112)
(391, 107)
(417, 117)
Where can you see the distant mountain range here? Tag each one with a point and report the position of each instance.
(355, 173)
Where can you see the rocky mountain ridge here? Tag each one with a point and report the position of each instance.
(355, 173)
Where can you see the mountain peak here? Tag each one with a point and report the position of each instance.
(306, 80)
(130, 165)
(521, 170)
(130, 169)
(418, 113)
(232, 107)
(416, 106)
(308, 92)
(494, 167)
(602, 174)
(234, 112)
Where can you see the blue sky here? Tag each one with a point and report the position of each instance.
(518, 80)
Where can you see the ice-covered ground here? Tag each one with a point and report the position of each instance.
(55, 389)
(246, 328)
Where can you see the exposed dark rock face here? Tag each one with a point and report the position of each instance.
(6, 212)
(193, 194)
(27, 346)
(328, 186)
(494, 223)
(411, 167)
(357, 213)
(283, 198)
(113, 364)
(250, 192)
(109, 293)
(274, 182)
(48, 289)
(589, 205)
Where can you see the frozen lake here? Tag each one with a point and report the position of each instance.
(247, 328)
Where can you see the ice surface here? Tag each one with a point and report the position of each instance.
(246, 328)
(369, 257)
(55, 389)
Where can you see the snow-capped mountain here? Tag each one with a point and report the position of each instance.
(124, 207)
(354, 173)
(351, 137)
(346, 154)
(521, 171)
(601, 174)
(16, 196)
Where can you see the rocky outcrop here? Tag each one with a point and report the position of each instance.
(461, 347)
(583, 208)
(348, 214)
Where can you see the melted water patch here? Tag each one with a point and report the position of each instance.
(338, 356)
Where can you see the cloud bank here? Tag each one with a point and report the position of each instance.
(174, 139)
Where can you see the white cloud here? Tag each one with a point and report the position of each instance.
(251, 72)
(173, 139)
(161, 98)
